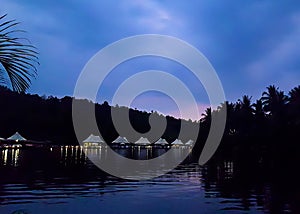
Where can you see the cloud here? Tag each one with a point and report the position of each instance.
(281, 61)
(250, 44)
(149, 14)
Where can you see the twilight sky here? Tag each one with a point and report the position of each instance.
(250, 43)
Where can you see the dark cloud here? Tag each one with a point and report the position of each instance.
(250, 43)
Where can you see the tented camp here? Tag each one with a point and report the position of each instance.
(161, 142)
(189, 143)
(14, 140)
(177, 142)
(120, 141)
(93, 141)
(143, 142)
(16, 137)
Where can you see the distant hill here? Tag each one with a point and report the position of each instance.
(50, 118)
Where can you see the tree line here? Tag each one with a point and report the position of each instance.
(267, 123)
(49, 118)
(267, 127)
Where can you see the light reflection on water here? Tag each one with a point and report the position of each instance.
(63, 180)
(10, 156)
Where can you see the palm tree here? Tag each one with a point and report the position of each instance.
(294, 105)
(245, 104)
(244, 113)
(17, 58)
(206, 116)
(275, 105)
(259, 128)
(274, 101)
(230, 110)
(295, 96)
(258, 109)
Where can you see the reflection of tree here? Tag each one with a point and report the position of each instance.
(243, 188)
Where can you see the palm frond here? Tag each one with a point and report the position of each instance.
(17, 58)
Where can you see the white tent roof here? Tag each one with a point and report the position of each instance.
(161, 142)
(16, 137)
(189, 143)
(143, 141)
(120, 140)
(177, 142)
(93, 139)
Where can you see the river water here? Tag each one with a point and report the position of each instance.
(63, 180)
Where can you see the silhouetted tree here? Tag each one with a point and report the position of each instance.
(17, 58)
(245, 115)
(294, 106)
(274, 102)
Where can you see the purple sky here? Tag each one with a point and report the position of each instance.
(251, 44)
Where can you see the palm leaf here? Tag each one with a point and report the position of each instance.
(18, 59)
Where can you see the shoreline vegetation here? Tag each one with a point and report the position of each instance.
(265, 129)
